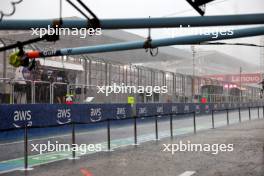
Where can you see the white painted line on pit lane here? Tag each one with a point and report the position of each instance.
(187, 173)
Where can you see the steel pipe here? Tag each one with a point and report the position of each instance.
(136, 23)
(191, 39)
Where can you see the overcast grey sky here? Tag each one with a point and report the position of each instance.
(41, 9)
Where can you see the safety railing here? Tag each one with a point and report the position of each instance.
(220, 98)
(5, 91)
(58, 92)
(21, 91)
(26, 91)
(41, 92)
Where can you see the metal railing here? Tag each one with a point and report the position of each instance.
(14, 91)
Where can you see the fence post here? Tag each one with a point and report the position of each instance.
(108, 135)
(135, 130)
(263, 112)
(12, 101)
(156, 127)
(73, 139)
(249, 113)
(33, 95)
(50, 89)
(227, 116)
(73, 142)
(26, 147)
(239, 112)
(258, 112)
(194, 122)
(26, 168)
(52, 94)
(171, 126)
(213, 119)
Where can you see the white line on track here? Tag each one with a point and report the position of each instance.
(187, 173)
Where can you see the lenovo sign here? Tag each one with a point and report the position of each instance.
(245, 78)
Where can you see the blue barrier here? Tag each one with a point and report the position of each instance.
(43, 115)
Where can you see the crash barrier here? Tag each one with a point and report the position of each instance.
(26, 116)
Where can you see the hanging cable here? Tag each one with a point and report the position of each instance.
(94, 21)
(199, 5)
(56, 25)
(60, 15)
(191, 9)
(78, 9)
(148, 47)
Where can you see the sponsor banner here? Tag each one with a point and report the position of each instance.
(145, 109)
(166, 108)
(151, 109)
(249, 78)
(41, 115)
(203, 108)
(17, 116)
(90, 113)
(174, 108)
(184, 108)
(120, 111)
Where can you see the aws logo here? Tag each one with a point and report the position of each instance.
(95, 114)
(120, 113)
(63, 116)
(142, 111)
(22, 118)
